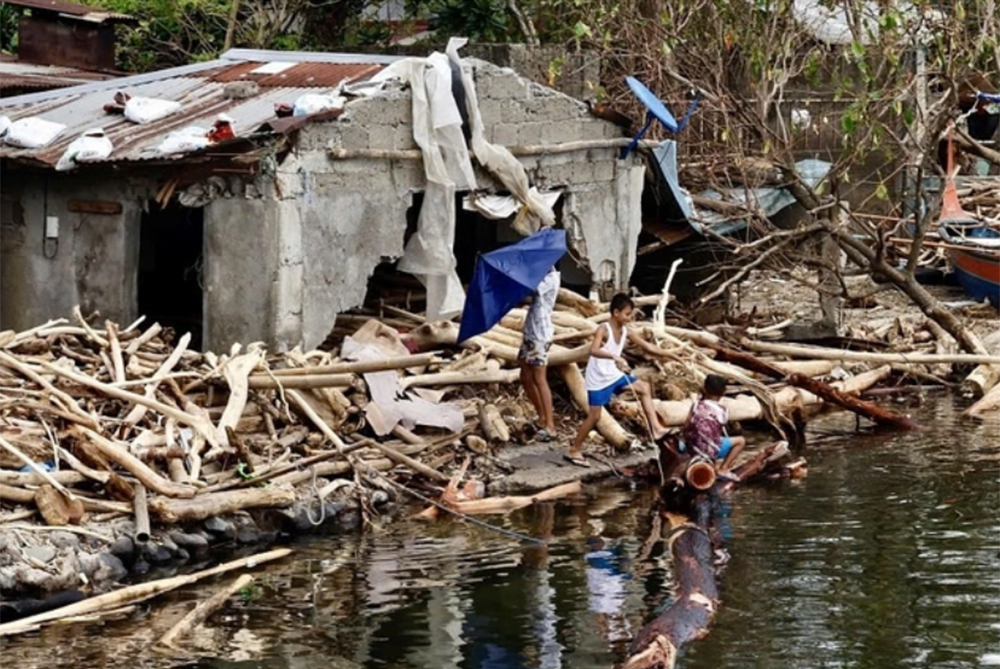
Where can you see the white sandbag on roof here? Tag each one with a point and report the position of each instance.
(32, 132)
(147, 110)
(90, 147)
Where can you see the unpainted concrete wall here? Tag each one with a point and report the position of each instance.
(94, 264)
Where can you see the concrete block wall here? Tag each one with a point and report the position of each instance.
(336, 219)
(95, 262)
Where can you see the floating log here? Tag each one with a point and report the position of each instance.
(136, 593)
(203, 610)
(695, 599)
(987, 405)
(511, 503)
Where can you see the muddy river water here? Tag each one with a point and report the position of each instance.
(887, 555)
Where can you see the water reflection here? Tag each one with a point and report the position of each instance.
(885, 556)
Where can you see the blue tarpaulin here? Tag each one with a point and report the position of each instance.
(505, 277)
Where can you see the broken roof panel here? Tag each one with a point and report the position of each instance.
(767, 201)
(199, 88)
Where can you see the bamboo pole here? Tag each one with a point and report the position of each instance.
(136, 593)
(141, 514)
(819, 353)
(203, 610)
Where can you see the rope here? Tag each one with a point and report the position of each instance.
(649, 431)
(322, 502)
(459, 514)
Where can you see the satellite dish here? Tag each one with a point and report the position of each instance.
(655, 110)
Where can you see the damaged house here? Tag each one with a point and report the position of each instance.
(322, 170)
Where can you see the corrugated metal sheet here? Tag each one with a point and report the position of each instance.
(14, 74)
(325, 75)
(71, 9)
(197, 89)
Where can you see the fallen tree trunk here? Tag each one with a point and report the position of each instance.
(204, 506)
(819, 353)
(824, 391)
(687, 619)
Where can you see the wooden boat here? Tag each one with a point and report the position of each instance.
(974, 252)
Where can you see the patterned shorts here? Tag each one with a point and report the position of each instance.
(534, 353)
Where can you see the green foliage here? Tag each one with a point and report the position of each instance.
(479, 20)
(8, 29)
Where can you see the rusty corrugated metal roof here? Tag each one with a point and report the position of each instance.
(84, 12)
(322, 75)
(14, 74)
(196, 87)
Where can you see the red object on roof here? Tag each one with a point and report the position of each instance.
(310, 75)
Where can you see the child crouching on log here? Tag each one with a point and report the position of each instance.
(704, 432)
(607, 375)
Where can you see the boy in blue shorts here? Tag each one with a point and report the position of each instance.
(607, 375)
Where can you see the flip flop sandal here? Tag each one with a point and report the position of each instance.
(544, 436)
(578, 460)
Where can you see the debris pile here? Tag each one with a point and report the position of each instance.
(103, 427)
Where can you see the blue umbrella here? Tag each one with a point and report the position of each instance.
(503, 278)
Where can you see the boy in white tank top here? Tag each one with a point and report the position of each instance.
(607, 375)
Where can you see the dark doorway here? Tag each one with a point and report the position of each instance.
(170, 269)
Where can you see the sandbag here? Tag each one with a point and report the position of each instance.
(191, 138)
(147, 110)
(313, 103)
(32, 132)
(90, 147)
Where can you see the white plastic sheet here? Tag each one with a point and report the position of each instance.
(437, 130)
(4, 125)
(497, 159)
(90, 147)
(146, 110)
(499, 207)
(32, 132)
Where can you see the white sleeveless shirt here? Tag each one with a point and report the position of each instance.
(602, 372)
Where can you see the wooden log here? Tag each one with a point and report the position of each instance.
(822, 390)
(139, 506)
(492, 423)
(11, 362)
(143, 339)
(162, 372)
(172, 511)
(57, 507)
(461, 378)
(48, 478)
(987, 405)
(303, 381)
(203, 610)
(511, 503)
(10, 493)
(695, 599)
(136, 593)
(121, 457)
(311, 414)
(169, 411)
(21, 479)
(817, 353)
(607, 426)
(981, 380)
(577, 302)
(353, 368)
(236, 372)
(117, 364)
